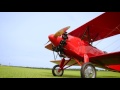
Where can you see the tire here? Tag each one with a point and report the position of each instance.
(88, 70)
(55, 71)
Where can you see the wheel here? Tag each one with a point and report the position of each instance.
(55, 71)
(88, 70)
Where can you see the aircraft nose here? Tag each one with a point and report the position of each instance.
(51, 37)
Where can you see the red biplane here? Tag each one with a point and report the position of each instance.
(75, 48)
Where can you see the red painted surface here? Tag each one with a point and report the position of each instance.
(86, 58)
(114, 67)
(106, 25)
(83, 51)
(76, 47)
(62, 63)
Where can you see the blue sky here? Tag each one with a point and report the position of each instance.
(23, 36)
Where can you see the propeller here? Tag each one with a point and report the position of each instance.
(60, 32)
(47, 42)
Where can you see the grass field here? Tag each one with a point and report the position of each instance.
(22, 72)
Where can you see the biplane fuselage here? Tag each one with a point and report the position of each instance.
(76, 47)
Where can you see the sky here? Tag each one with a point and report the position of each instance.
(23, 36)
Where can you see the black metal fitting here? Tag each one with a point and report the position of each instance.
(64, 36)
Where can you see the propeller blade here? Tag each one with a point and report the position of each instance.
(49, 46)
(47, 42)
(61, 31)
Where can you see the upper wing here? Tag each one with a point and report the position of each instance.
(103, 26)
(110, 60)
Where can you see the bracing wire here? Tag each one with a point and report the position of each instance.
(106, 35)
(116, 48)
(111, 32)
(54, 55)
(111, 44)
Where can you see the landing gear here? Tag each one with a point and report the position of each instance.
(88, 71)
(56, 71)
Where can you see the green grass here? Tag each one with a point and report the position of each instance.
(22, 72)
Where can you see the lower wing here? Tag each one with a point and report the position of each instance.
(108, 61)
(71, 62)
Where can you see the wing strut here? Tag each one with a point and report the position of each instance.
(86, 34)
